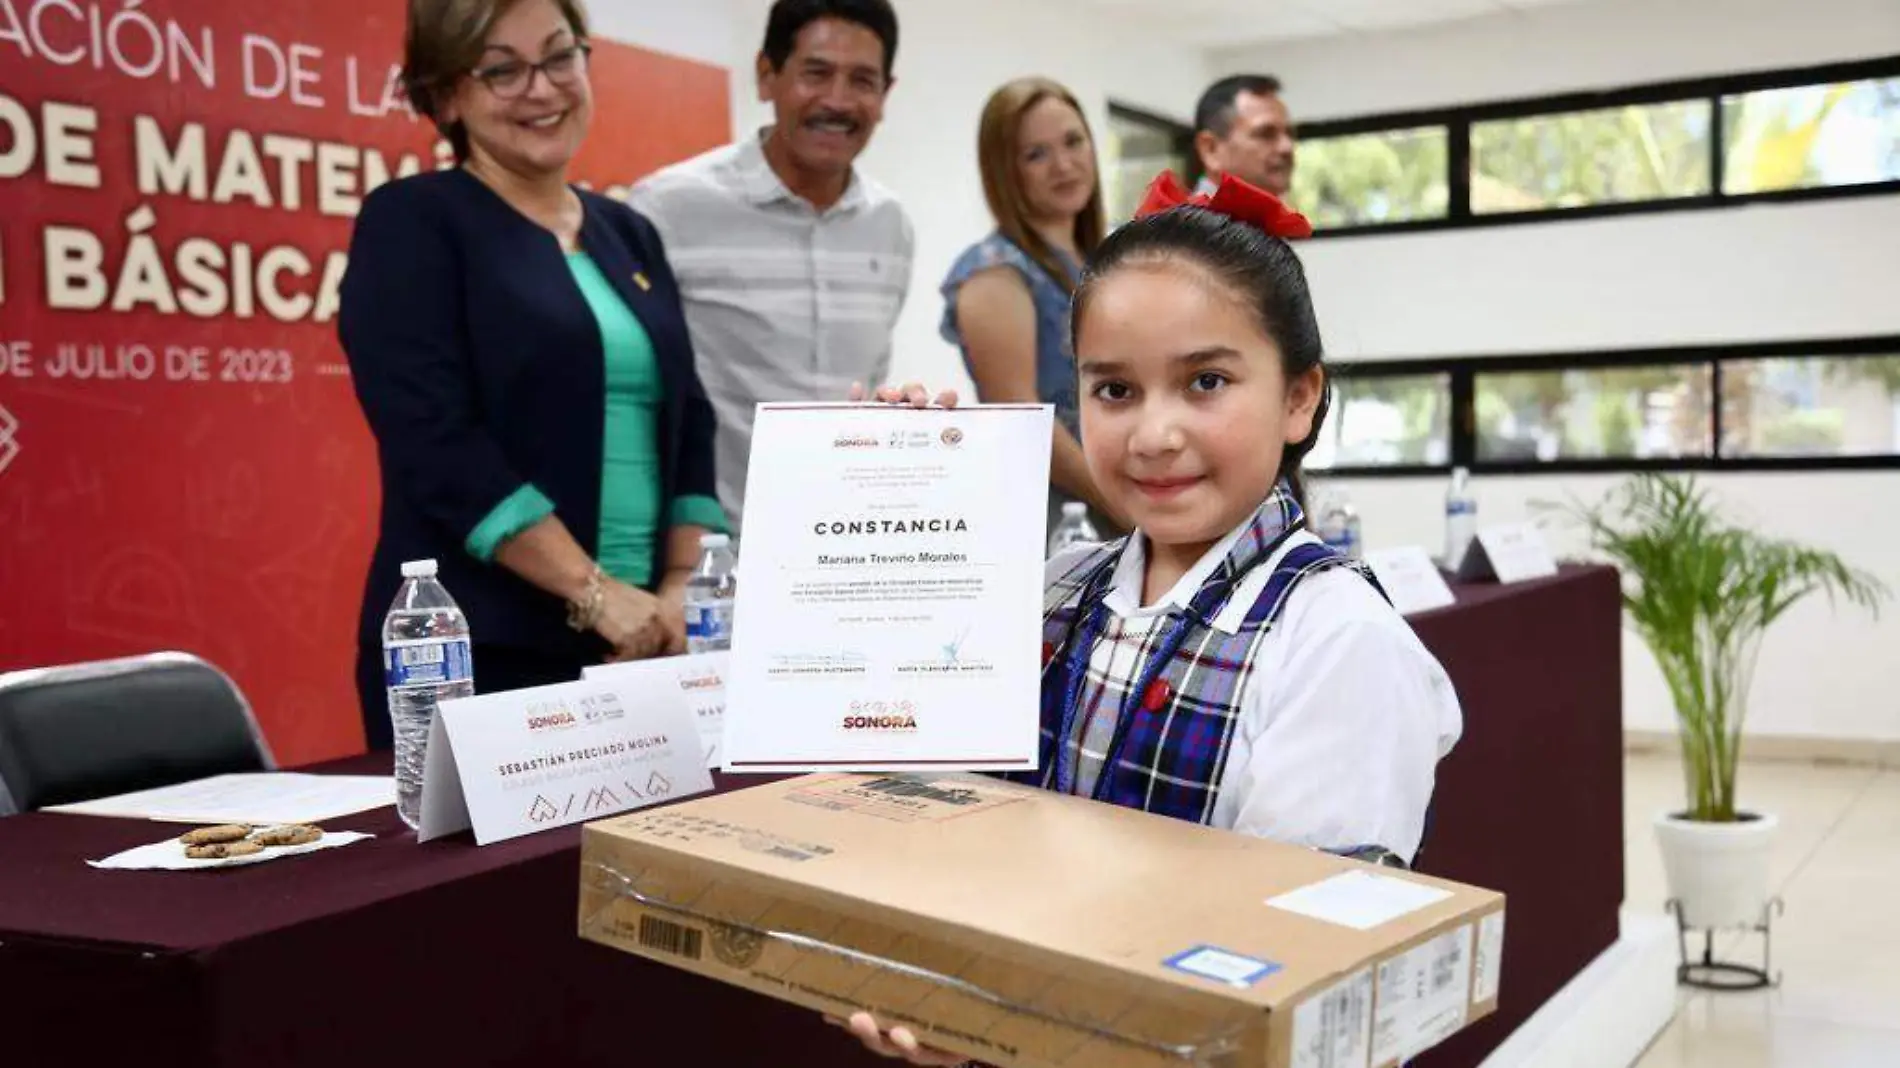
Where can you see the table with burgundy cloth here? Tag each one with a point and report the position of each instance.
(389, 952)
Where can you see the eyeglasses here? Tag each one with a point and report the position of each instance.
(513, 78)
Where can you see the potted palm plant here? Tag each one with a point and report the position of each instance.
(1702, 592)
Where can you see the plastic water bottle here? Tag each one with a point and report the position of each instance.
(1339, 526)
(1461, 518)
(426, 661)
(1073, 529)
(709, 596)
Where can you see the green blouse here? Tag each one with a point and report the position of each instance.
(632, 516)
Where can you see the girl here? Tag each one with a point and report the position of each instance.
(1006, 298)
(1220, 664)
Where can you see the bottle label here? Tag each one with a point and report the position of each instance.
(426, 662)
(709, 621)
(1461, 507)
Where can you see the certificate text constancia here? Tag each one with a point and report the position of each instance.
(949, 525)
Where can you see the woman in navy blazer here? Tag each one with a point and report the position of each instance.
(521, 355)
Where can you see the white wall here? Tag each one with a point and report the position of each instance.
(698, 29)
(1759, 273)
(951, 54)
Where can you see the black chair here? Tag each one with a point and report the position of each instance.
(86, 731)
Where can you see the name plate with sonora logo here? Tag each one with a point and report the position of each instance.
(890, 617)
(509, 764)
(702, 679)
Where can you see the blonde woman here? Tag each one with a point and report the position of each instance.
(1006, 299)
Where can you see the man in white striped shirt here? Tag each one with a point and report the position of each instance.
(1243, 128)
(791, 264)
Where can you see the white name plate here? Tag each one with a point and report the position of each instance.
(701, 678)
(1513, 552)
(1411, 579)
(514, 763)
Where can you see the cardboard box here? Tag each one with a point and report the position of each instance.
(1032, 930)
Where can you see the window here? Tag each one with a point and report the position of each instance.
(1800, 405)
(1393, 420)
(1809, 136)
(1606, 156)
(1594, 413)
(1138, 147)
(1703, 143)
(1361, 179)
(1811, 406)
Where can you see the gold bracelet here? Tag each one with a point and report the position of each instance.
(584, 611)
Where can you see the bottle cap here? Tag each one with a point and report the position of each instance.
(418, 569)
(714, 541)
(1074, 508)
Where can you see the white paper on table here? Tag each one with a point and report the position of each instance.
(1360, 900)
(892, 619)
(169, 855)
(261, 798)
(702, 679)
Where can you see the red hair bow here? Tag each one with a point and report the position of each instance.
(1234, 198)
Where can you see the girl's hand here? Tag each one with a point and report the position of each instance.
(898, 1043)
(910, 393)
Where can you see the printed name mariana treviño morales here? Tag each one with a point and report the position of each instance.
(884, 560)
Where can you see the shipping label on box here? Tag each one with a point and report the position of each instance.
(1423, 996)
(1333, 1029)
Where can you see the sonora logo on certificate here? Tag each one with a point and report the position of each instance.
(881, 716)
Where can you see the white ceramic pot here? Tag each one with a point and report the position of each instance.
(1718, 872)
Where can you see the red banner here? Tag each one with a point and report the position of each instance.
(183, 464)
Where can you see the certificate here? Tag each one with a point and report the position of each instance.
(890, 596)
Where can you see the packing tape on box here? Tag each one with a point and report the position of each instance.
(622, 887)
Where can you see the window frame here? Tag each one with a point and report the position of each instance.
(1463, 372)
(1458, 121)
(1179, 134)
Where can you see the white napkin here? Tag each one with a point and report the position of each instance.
(169, 855)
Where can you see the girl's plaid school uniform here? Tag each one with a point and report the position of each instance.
(1145, 718)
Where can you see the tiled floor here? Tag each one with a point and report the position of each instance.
(1837, 865)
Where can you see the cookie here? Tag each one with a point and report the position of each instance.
(290, 834)
(229, 832)
(222, 850)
